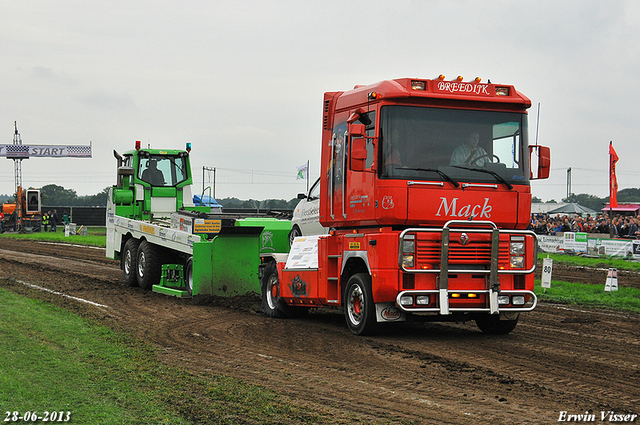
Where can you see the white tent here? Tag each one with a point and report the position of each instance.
(571, 209)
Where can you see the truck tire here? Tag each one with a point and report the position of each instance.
(129, 261)
(188, 275)
(359, 308)
(148, 267)
(272, 304)
(491, 324)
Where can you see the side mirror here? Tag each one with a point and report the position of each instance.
(356, 130)
(302, 196)
(540, 161)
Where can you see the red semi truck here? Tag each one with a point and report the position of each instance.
(425, 187)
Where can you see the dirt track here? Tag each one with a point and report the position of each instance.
(557, 359)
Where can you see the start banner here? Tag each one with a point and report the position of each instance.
(48, 151)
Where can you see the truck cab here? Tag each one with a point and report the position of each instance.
(404, 153)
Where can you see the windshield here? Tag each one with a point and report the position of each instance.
(442, 144)
(162, 170)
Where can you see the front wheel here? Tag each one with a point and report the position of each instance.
(129, 261)
(359, 308)
(492, 325)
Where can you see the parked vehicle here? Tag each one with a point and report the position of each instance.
(306, 215)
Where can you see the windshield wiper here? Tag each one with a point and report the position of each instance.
(493, 173)
(434, 170)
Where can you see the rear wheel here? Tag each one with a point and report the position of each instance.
(359, 308)
(492, 325)
(272, 304)
(148, 268)
(129, 261)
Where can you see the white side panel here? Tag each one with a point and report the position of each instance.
(163, 207)
(175, 239)
(139, 192)
(187, 197)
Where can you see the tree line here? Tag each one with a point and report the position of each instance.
(54, 195)
(630, 195)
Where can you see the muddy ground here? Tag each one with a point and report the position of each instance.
(558, 359)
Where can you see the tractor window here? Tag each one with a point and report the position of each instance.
(162, 170)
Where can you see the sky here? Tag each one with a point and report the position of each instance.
(243, 81)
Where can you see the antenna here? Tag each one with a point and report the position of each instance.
(537, 122)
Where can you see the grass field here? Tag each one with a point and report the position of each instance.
(577, 260)
(96, 236)
(625, 299)
(54, 361)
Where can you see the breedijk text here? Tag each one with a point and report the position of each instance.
(464, 88)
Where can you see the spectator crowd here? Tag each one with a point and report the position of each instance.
(624, 226)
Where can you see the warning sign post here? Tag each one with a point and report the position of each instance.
(547, 266)
(612, 281)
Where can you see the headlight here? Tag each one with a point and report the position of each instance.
(517, 300)
(408, 246)
(517, 248)
(422, 300)
(406, 300)
(517, 262)
(503, 299)
(407, 261)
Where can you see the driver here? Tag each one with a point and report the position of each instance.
(469, 153)
(152, 174)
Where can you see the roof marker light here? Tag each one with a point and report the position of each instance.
(459, 79)
(373, 95)
(137, 145)
(441, 77)
(188, 147)
(418, 85)
(477, 80)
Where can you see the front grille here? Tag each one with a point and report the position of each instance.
(475, 252)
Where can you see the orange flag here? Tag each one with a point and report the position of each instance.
(613, 181)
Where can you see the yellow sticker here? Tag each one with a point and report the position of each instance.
(148, 229)
(207, 226)
(354, 245)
